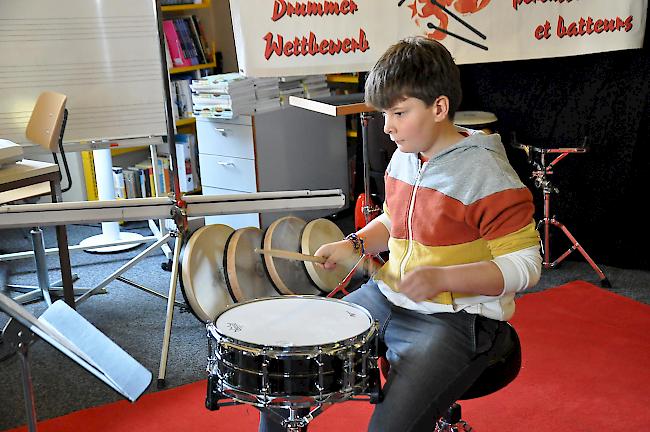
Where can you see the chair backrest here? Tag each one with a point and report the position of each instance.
(44, 125)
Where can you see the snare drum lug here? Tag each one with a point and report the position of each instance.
(375, 391)
(321, 374)
(265, 375)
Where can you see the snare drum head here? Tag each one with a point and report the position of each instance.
(293, 321)
(317, 233)
(289, 276)
(203, 281)
(245, 274)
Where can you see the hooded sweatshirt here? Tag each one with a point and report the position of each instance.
(466, 204)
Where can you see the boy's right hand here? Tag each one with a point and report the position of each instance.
(336, 253)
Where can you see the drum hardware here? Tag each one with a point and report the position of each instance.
(537, 157)
(367, 259)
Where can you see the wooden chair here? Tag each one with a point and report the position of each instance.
(29, 178)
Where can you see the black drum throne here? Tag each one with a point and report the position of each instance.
(498, 371)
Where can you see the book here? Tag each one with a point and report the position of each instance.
(196, 38)
(186, 41)
(118, 183)
(187, 162)
(92, 194)
(204, 43)
(174, 45)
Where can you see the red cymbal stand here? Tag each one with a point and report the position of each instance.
(542, 171)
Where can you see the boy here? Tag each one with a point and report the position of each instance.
(458, 225)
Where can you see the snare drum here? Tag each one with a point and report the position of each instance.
(292, 351)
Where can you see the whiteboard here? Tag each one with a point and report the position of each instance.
(103, 54)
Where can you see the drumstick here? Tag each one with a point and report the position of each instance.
(285, 254)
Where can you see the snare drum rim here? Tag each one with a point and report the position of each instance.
(294, 350)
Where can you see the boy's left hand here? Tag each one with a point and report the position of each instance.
(422, 283)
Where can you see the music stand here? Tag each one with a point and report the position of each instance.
(67, 331)
(542, 170)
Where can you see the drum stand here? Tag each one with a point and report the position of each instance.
(542, 170)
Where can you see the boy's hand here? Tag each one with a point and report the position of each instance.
(422, 283)
(337, 252)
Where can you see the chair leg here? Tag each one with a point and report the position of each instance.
(452, 422)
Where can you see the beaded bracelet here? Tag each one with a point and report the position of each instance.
(357, 243)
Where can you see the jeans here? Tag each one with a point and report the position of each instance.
(433, 359)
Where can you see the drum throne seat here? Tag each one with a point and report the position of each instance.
(500, 372)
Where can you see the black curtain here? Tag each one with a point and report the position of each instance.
(556, 103)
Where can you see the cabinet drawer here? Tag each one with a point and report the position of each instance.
(225, 139)
(235, 221)
(228, 173)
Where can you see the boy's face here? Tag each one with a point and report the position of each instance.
(412, 125)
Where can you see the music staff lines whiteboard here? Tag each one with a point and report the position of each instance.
(103, 54)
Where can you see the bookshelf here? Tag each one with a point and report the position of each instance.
(190, 53)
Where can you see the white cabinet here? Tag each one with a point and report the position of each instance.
(287, 149)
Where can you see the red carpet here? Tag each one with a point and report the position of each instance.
(585, 368)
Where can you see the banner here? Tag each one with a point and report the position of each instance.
(282, 37)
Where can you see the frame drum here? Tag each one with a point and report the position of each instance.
(246, 277)
(315, 234)
(289, 276)
(203, 281)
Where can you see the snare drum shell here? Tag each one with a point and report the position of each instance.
(292, 371)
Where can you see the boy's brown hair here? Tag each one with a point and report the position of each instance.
(414, 67)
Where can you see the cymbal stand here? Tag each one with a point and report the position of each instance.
(542, 170)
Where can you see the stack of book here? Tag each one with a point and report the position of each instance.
(315, 86)
(267, 94)
(308, 86)
(291, 86)
(223, 96)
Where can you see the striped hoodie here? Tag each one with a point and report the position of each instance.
(466, 204)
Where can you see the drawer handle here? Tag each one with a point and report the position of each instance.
(231, 164)
(222, 131)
